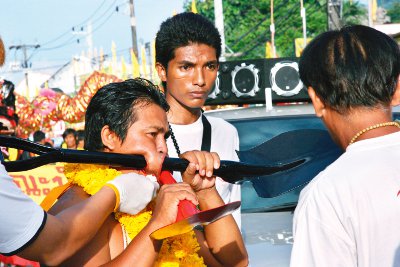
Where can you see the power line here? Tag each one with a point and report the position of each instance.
(103, 14)
(123, 51)
(71, 40)
(57, 38)
(107, 19)
(84, 21)
(289, 13)
(94, 13)
(282, 29)
(68, 42)
(254, 28)
(25, 64)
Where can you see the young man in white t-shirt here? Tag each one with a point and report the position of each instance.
(187, 50)
(349, 214)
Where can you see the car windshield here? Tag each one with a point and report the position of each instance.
(254, 132)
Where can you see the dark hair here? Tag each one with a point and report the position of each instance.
(80, 135)
(69, 131)
(182, 30)
(356, 66)
(38, 136)
(116, 105)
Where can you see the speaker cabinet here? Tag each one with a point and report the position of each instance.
(244, 82)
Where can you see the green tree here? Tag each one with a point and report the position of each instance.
(354, 13)
(394, 12)
(247, 24)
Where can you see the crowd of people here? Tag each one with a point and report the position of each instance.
(72, 139)
(346, 216)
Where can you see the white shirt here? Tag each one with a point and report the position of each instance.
(224, 141)
(349, 215)
(21, 219)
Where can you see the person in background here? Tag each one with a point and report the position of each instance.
(7, 98)
(39, 137)
(28, 231)
(188, 47)
(349, 214)
(69, 137)
(80, 139)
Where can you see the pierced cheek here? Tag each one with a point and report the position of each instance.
(162, 148)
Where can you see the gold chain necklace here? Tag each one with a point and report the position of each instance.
(379, 125)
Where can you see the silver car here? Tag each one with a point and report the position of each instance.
(283, 134)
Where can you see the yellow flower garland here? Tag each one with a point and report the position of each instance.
(176, 251)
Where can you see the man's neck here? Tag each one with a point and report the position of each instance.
(183, 116)
(360, 120)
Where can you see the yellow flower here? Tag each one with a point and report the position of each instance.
(170, 264)
(180, 254)
(177, 251)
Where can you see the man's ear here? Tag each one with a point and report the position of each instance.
(319, 106)
(162, 72)
(396, 96)
(109, 139)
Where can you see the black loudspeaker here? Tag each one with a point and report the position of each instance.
(244, 82)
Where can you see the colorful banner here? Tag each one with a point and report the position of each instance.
(194, 8)
(144, 64)
(268, 50)
(135, 65)
(38, 182)
(299, 45)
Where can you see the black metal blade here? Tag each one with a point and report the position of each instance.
(315, 148)
(230, 171)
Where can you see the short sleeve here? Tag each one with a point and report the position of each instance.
(21, 218)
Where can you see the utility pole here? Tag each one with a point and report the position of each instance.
(303, 16)
(133, 28)
(334, 10)
(272, 30)
(219, 24)
(25, 64)
(89, 41)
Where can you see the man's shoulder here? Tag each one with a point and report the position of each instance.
(327, 186)
(221, 123)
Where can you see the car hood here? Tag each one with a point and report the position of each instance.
(268, 237)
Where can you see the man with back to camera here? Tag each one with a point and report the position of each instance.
(188, 47)
(349, 213)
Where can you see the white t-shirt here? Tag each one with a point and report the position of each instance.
(349, 215)
(224, 141)
(21, 219)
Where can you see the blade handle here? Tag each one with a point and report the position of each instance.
(185, 210)
(185, 207)
(166, 178)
